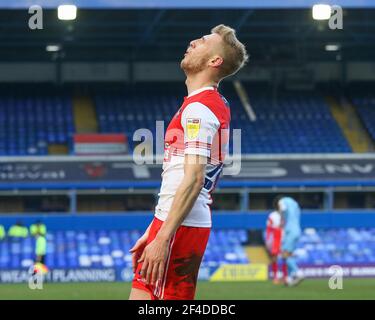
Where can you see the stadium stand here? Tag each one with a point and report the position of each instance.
(75, 249)
(294, 122)
(337, 246)
(127, 109)
(365, 105)
(31, 121)
(102, 248)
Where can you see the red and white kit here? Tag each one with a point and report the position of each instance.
(200, 127)
(274, 233)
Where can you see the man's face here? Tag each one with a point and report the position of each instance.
(200, 51)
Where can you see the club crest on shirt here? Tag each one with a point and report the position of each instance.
(192, 127)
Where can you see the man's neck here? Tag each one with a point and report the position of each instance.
(195, 82)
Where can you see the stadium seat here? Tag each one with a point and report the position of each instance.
(364, 102)
(295, 122)
(89, 249)
(95, 249)
(336, 246)
(30, 120)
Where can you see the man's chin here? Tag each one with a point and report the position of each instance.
(183, 64)
(189, 67)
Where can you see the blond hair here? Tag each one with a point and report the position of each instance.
(234, 52)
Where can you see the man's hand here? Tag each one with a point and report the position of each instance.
(269, 245)
(154, 257)
(137, 250)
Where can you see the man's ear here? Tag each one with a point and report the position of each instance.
(216, 61)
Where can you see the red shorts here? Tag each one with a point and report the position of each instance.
(276, 245)
(185, 254)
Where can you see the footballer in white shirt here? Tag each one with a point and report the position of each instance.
(166, 259)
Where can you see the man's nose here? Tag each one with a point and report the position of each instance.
(192, 43)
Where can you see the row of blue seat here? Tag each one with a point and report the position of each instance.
(289, 123)
(366, 108)
(71, 249)
(297, 122)
(30, 122)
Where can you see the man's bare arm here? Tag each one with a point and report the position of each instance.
(186, 195)
(155, 253)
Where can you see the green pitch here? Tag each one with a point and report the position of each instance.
(309, 289)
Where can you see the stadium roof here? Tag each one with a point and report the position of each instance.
(173, 4)
(148, 35)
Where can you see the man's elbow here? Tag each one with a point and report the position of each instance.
(198, 182)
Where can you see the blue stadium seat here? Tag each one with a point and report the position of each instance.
(76, 249)
(71, 249)
(30, 121)
(296, 123)
(365, 105)
(342, 246)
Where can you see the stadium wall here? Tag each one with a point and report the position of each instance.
(170, 71)
(221, 220)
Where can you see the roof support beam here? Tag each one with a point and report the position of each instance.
(243, 19)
